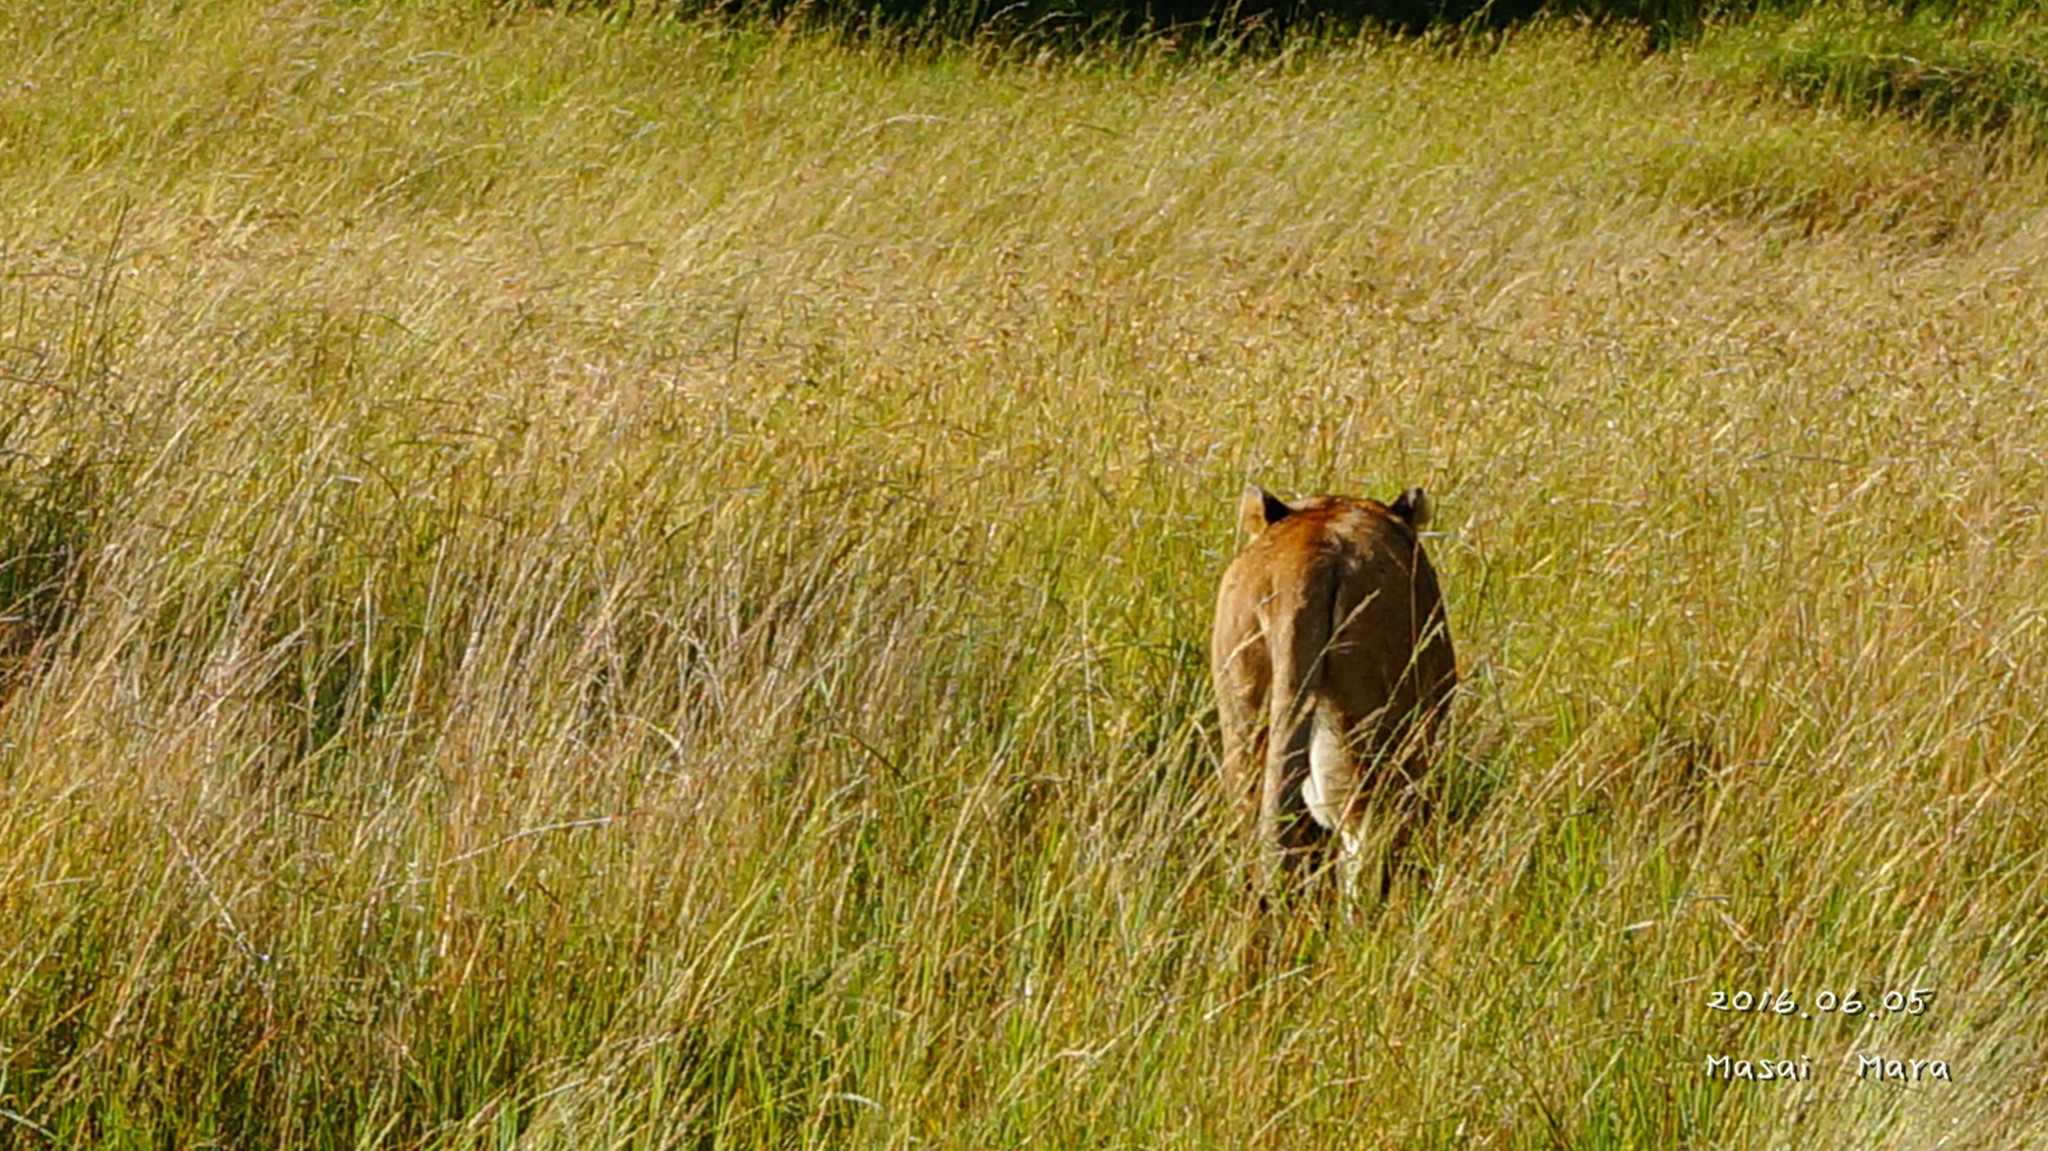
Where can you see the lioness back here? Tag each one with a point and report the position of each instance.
(1331, 661)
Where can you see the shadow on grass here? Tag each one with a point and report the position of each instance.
(49, 510)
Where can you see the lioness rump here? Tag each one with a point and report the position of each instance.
(1332, 662)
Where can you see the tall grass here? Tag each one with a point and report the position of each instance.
(604, 582)
(1972, 70)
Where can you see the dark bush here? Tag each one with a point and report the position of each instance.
(1034, 20)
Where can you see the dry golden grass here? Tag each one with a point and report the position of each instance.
(620, 584)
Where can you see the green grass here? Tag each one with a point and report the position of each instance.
(610, 582)
(1971, 70)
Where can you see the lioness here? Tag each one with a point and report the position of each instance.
(1332, 661)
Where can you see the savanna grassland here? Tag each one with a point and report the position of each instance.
(589, 581)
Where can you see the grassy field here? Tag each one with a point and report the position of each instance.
(569, 583)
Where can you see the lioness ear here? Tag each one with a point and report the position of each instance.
(1261, 509)
(1411, 506)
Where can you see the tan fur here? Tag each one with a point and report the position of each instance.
(1332, 662)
